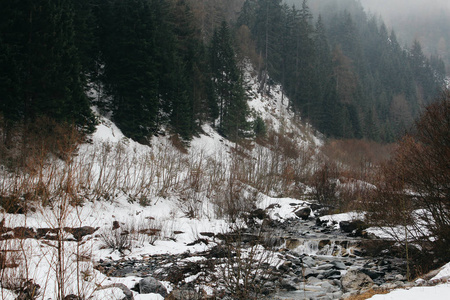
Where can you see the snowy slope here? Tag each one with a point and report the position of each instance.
(157, 187)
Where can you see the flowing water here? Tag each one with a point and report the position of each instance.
(326, 255)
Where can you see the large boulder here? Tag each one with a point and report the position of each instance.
(150, 285)
(303, 213)
(355, 280)
(355, 226)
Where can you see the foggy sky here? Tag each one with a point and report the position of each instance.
(392, 8)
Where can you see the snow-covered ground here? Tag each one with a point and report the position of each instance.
(439, 291)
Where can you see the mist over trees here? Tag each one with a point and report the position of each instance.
(424, 21)
(160, 65)
(343, 70)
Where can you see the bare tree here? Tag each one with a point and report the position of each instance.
(415, 185)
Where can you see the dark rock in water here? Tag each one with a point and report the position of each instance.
(356, 226)
(303, 213)
(355, 280)
(323, 243)
(285, 266)
(339, 265)
(373, 274)
(288, 285)
(334, 274)
(309, 261)
(316, 206)
(258, 214)
(151, 285)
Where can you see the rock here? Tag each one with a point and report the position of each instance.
(27, 290)
(313, 281)
(47, 233)
(372, 274)
(339, 265)
(207, 234)
(325, 267)
(116, 225)
(308, 272)
(150, 285)
(285, 266)
(258, 214)
(349, 226)
(327, 287)
(332, 274)
(355, 280)
(273, 206)
(399, 277)
(80, 232)
(126, 291)
(323, 243)
(182, 294)
(288, 284)
(309, 261)
(303, 213)
(316, 206)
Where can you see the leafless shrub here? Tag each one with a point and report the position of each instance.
(119, 239)
(246, 268)
(413, 186)
(324, 184)
(191, 204)
(149, 230)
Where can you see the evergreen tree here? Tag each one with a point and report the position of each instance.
(227, 85)
(41, 68)
(133, 34)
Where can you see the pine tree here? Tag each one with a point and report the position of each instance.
(42, 64)
(227, 85)
(131, 43)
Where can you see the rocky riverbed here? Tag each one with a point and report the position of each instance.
(304, 258)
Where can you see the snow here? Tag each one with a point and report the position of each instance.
(443, 273)
(336, 218)
(282, 208)
(439, 292)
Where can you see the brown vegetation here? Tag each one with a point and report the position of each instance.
(413, 190)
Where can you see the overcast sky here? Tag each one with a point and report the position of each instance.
(396, 7)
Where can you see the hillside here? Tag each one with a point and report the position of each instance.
(90, 223)
(175, 193)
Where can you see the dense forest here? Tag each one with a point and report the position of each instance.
(417, 20)
(175, 64)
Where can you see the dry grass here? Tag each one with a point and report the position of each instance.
(368, 294)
